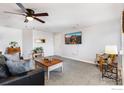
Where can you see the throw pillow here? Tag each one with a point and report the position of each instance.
(2, 59)
(13, 57)
(15, 67)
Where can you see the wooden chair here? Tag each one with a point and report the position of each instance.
(97, 59)
(110, 68)
(101, 62)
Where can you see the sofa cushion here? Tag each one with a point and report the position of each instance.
(4, 71)
(15, 67)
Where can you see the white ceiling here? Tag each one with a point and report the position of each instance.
(60, 15)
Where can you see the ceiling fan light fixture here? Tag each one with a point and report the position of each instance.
(29, 14)
(29, 18)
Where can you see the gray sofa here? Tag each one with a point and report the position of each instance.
(35, 77)
(30, 77)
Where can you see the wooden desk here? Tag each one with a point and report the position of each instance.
(50, 66)
(13, 50)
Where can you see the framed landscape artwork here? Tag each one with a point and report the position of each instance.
(73, 38)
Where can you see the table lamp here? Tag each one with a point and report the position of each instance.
(111, 49)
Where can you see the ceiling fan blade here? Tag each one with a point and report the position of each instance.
(14, 13)
(22, 7)
(39, 20)
(40, 14)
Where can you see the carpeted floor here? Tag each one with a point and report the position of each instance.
(77, 73)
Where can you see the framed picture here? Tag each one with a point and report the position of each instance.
(73, 38)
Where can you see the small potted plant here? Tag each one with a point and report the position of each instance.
(38, 50)
(13, 44)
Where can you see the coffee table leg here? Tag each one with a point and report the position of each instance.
(36, 65)
(62, 68)
(48, 73)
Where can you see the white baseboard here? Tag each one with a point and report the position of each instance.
(91, 62)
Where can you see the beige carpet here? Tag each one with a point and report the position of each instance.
(77, 73)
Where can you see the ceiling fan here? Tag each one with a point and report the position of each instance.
(29, 14)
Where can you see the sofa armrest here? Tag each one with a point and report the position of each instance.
(35, 77)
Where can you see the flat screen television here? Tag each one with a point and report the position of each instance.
(73, 38)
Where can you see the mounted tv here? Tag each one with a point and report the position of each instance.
(73, 38)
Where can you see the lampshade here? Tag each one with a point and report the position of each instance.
(111, 49)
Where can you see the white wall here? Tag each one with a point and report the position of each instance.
(94, 40)
(123, 58)
(48, 45)
(9, 34)
(27, 41)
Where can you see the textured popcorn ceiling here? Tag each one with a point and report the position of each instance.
(61, 15)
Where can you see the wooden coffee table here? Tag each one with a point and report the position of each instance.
(50, 66)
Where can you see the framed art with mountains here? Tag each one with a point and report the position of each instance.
(73, 38)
